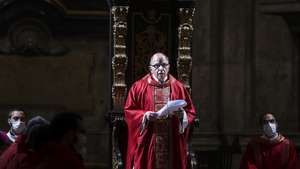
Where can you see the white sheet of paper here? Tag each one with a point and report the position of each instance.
(171, 106)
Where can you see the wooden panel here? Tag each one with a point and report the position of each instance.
(150, 32)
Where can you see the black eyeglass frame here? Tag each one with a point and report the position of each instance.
(156, 66)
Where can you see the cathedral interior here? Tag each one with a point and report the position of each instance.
(237, 59)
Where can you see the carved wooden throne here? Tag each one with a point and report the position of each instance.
(139, 29)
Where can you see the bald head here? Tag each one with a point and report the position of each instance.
(159, 67)
(159, 58)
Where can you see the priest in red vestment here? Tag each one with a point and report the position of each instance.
(154, 141)
(271, 150)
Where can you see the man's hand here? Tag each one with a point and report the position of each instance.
(148, 116)
(151, 116)
(178, 113)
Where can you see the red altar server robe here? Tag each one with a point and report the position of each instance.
(265, 154)
(141, 147)
(17, 156)
(51, 156)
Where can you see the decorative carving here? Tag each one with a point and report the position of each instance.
(147, 42)
(119, 88)
(184, 60)
(150, 31)
(117, 124)
(30, 36)
(119, 60)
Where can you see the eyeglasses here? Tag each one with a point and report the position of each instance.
(156, 66)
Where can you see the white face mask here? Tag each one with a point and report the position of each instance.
(270, 129)
(18, 126)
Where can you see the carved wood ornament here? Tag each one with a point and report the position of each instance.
(119, 59)
(184, 60)
(119, 65)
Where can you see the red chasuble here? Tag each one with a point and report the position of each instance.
(160, 142)
(265, 154)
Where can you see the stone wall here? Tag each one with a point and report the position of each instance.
(245, 62)
(78, 82)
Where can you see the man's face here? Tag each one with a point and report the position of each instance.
(17, 121)
(17, 116)
(159, 67)
(269, 126)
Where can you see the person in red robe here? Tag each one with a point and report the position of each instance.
(16, 121)
(271, 150)
(157, 142)
(24, 152)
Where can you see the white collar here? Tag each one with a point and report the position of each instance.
(12, 137)
(166, 78)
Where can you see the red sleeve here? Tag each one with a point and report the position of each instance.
(180, 92)
(247, 161)
(190, 109)
(134, 111)
(7, 155)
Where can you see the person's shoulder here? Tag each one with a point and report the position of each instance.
(141, 82)
(3, 136)
(286, 140)
(2, 133)
(255, 141)
(177, 84)
(174, 81)
(254, 144)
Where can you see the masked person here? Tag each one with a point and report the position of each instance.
(25, 152)
(16, 121)
(156, 142)
(271, 150)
